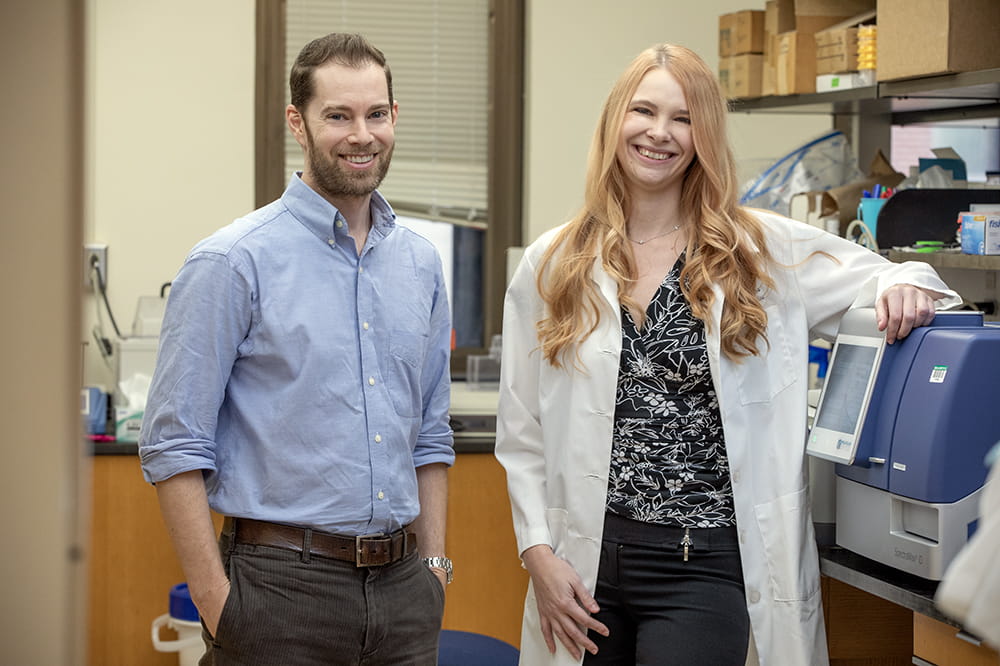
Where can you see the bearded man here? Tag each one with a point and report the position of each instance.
(302, 391)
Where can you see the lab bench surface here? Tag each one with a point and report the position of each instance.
(899, 587)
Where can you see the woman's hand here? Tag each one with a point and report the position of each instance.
(564, 604)
(902, 308)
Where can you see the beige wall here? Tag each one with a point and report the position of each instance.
(575, 50)
(170, 112)
(41, 572)
(170, 121)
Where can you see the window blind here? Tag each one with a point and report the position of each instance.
(438, 53)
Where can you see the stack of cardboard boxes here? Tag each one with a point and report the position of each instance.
(741, 53)
(804, 46)
(779, 18)
(773, 52)
(838, 66)
(795, 60)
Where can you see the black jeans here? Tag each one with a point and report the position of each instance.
(286, 609)
(661, 610)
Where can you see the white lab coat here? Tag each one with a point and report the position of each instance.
(554, 430)
(970, 591)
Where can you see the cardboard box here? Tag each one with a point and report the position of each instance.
(724, 71)
(741, 32)
(746, 75)
(947, 159)
(796, 54)
(843, 8)
(796, 65)
(927, 37)
(726, 22)
(980, 233)
(817, 209)
(779, 16)
(748, 36)
(742, 75)
(837, 51)
(837, 46)
(769, 79)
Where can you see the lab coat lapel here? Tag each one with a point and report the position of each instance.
(713, 341)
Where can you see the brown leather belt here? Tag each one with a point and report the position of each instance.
(373, 550)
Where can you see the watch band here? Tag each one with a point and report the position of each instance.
(442, 563)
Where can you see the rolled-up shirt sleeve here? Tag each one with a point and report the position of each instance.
(435, 441)
(208, 314)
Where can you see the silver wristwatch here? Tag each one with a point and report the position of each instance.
(441, 563)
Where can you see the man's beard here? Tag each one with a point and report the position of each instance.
(336, 181)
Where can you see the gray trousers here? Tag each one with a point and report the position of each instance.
(286, 609)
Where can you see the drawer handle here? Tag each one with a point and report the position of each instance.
(969, 638)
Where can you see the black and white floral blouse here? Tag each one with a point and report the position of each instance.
(668, 460)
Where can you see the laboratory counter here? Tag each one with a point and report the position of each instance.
(874, 613)
(899, 587)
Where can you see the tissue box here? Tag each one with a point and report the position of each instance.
(980, 233)
(128, 422)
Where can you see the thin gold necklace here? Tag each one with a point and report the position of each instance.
(665, 233)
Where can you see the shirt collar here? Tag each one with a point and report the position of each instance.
(319, 215)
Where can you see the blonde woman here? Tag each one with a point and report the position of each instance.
(653, 399)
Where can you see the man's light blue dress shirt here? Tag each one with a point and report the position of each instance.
(306, 381)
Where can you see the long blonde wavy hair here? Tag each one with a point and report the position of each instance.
(725, 245)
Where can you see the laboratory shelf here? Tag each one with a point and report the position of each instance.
(978, 262)
(963, 96)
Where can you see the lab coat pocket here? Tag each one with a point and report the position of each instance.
(764, 376)
(406, 355)
(792, 558)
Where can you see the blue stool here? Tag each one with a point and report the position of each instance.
(464, 648)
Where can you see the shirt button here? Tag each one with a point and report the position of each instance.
(371, 381)
(340, 224)
(381, 495)
(743, 536)
(736, 477)
(330, 241)
(361, 269)
(378, 438)
(754, 594)
(365, 326)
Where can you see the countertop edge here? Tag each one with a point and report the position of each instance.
(898, 587)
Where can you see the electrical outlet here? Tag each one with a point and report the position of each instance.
(95, 254)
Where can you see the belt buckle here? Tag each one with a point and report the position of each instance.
(357, 549)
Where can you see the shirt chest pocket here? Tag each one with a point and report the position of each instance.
(764, 376)
(406, 357)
